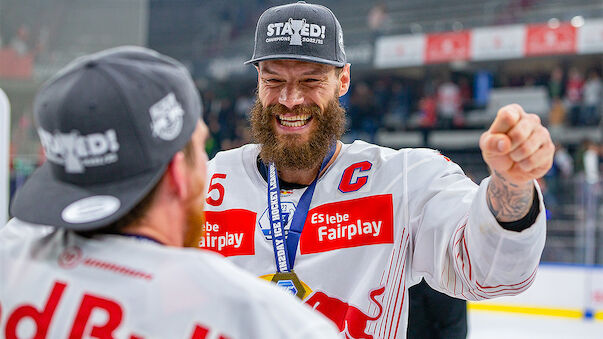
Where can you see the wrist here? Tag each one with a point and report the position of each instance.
(509, 201)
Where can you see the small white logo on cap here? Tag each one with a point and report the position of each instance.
(296, 32)
(90, 209)
(167, 117)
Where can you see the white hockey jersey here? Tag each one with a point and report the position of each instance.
(379, 220)
(56, 284)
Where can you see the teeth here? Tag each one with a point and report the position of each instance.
(294, 117)
(294, 120)
(293, 124)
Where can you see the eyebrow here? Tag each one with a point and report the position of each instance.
(318, 70)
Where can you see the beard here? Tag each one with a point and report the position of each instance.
(289, 150)
(195, 214)
(195, 225)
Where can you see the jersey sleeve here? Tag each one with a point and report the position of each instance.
(16, 229)
(458, 246)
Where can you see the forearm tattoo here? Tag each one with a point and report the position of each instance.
(507, 201)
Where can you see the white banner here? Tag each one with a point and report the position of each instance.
(590, 37)
(4, 156)
(400, 50)
(502, 42)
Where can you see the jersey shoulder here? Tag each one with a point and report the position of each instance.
(236, 154)
(18, 230)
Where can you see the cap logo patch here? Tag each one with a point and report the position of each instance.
(90, 209)
(296, 32)
(76, 152)
(167, 118)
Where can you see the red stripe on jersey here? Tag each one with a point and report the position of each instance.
(397, 322)
(392, 268)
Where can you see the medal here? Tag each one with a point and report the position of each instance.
(290, 282)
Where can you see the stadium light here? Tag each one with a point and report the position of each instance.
(577, 21)
(553, 23)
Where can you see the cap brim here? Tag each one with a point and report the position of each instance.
(296, 57)
(44, 200)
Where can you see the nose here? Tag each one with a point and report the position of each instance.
(290, 96)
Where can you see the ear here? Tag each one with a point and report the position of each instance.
(344, 80)
(177, 176)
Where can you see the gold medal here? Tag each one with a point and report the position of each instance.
(290, 282)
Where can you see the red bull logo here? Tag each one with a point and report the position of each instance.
(345, 315)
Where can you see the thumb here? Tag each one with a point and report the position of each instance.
(495, 143)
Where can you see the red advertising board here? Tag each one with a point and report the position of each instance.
(544, 40)
(449, 46)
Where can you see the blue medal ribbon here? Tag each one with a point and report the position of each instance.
(285, 248)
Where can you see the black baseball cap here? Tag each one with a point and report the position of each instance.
(109, 123)
(299, 31)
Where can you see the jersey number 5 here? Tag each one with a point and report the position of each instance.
(346, 185)
(215, 186)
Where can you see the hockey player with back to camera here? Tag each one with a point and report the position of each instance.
(349, 227)
(122, 189)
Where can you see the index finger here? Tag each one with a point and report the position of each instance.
(506, 118)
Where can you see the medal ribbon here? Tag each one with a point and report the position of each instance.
(285, 249)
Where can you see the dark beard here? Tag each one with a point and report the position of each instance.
(288, 151)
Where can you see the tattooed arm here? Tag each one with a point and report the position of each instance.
(518, 149)
(509, 202)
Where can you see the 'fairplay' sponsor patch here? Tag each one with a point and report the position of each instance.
(351, 223)
(229, 232)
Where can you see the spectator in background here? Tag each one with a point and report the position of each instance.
(591, 163)
(378, 19)
(573, 95)
(592, 99)
(556, 84)
(20, 42)
(562, 170)
(587, 169)
(449, 104)
(428, 120)
(363, 115)
(398, 110)
(556, 115)
(465, 93)
(563, 161)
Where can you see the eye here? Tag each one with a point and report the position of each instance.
(311, 80)
(273, 80)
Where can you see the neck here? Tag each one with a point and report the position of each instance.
(306, 176)
(160, 226)
(147, 232)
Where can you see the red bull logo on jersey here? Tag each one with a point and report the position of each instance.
(38, 318)
(351, 223)
(349, 319)
(229, 232)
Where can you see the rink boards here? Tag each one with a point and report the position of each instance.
(559, 290)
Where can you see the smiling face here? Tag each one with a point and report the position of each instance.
(297, 115)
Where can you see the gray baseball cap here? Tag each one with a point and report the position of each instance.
(109, 123)
(299, 31)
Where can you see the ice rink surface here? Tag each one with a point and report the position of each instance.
(498, 325)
